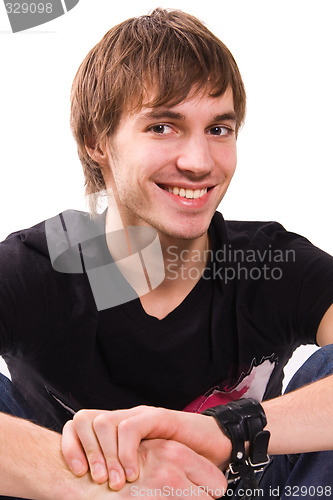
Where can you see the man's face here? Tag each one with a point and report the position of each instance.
(169, 167)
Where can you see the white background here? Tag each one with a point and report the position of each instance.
(284, 51)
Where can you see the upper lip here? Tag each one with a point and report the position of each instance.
(185, 185)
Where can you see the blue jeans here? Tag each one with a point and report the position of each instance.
(305, 476)
(12, 402)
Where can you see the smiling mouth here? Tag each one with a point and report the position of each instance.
(190, 194)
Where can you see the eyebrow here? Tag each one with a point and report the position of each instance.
(158, 114)
(173, 115)
(231, 115)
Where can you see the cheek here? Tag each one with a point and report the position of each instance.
(232, 161)
(159, 156)
(227, 160)
(122, 169)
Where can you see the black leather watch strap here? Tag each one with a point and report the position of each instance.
(243, 421)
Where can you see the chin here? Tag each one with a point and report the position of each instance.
(188, 232)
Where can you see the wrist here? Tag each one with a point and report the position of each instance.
(81, 488)
(217, 442)
(243, 422)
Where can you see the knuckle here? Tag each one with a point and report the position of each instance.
(112, 463)
(102, 422)
(80, 418)
(143, 407)
(147, 410)
(125, 426)
(68, 427)
(173, 451)
(166, 475)
(68, 423)
(94, 457)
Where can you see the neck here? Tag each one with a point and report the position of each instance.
(184, 258)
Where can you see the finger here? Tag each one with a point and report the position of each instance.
(146, 423)
(72, 450)
(106, 432)
(106, 429)
(203, 473)
(83, 424)
(131, 431)
(129, 439)
(203, 493)
(120, 415)
(86, 439)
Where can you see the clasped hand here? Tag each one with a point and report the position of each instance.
(107, 444)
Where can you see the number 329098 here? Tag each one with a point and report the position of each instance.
(31, 8)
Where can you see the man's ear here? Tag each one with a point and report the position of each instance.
(98, 153)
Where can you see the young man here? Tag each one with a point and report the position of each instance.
(156, 108)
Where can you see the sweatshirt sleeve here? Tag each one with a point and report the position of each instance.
(302, 284)
(295, 288)
(24, 292)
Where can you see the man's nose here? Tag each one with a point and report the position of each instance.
(195, 156)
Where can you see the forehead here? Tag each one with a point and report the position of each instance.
(195, 105)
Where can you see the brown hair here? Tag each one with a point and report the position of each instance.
(168, 52)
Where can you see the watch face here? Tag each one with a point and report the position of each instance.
(27, 14)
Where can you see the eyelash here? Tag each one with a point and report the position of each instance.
(229, 130)
(152, 127)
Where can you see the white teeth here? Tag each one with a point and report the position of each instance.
(187, 193)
